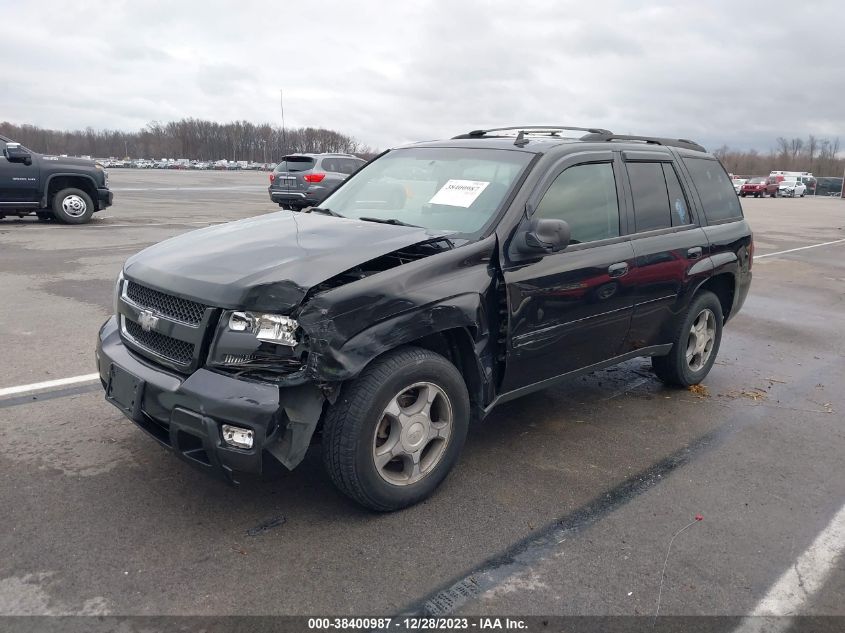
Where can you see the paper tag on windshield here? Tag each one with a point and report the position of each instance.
(459, 193)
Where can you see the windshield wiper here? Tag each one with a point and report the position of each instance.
(393, 221)
(325, 211)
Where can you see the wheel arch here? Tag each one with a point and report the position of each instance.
(56, 182)
(723, 285)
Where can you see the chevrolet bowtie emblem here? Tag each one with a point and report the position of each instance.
(147, 320)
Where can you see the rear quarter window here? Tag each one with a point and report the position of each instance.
(715, 190)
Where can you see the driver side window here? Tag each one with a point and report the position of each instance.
(585, 197)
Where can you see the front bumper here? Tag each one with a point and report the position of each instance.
(104, 198)
(186, 413)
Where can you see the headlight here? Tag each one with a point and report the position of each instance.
(118, 288)
(272, 328)
(271, 343)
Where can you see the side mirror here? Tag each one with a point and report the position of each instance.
(542, 236)
(14, 153)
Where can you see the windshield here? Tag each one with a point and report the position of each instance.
(756, 181)
(440, 188)
(788, 183)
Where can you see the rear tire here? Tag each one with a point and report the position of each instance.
(396, 430)
(695, 343)
(72, 206)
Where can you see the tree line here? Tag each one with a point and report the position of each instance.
(820, 156)
(188, 138)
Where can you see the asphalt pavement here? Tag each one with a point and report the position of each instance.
(565, 502)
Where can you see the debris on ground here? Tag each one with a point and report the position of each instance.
(266, 526)
(752, 394)
(699, 390)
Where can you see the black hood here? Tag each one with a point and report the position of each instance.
(69, 161)
(268, 262)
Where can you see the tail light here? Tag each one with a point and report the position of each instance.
(272, 177)
(314, 177)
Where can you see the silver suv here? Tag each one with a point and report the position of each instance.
(305, 180)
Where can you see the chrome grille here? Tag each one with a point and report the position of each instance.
(174, 308)
(174, 350)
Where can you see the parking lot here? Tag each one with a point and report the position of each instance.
(564, 502)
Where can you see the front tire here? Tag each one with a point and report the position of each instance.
(396, 430)
(695, 343)
(72, 206)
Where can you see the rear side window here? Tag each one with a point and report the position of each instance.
(714, 188)
(651, 201)
(295, 163)
(348, 165)
(585, 197)
(677, 200)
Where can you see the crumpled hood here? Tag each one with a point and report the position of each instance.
(268, 262)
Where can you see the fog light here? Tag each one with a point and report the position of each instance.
(236, 436)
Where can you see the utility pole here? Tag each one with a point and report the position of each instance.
(284, 134)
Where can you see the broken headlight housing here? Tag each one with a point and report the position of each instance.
(273, 328)
(257, 341)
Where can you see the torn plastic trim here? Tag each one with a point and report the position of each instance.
(302, 405)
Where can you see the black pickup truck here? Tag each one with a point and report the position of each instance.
(439, 281)
(59, 188)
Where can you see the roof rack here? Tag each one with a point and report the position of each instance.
(551, 130)
(650, 140)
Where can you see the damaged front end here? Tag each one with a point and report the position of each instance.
(255, 365)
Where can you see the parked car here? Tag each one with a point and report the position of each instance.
(828, 186)
(439, 281)
(754, 187)
(792, 188)
(304, 180)
(773, 185)
(69, 190)
(737, 183)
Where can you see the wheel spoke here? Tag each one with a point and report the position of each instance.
(413, 465)
(439, 430)
(425, 396)
(384, 456)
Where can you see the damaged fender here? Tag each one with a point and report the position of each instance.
(351, 325)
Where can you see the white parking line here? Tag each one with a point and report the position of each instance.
(48, 384)
(800, 248)
(803, 579)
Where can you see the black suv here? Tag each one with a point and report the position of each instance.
(442, 279)
(55, 187)
(304, 180)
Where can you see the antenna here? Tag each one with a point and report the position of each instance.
(284, 134)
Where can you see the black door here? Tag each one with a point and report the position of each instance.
(18, 182)
(572, 309)
(672, 250)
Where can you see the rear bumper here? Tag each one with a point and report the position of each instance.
(297, 198)
(104, 198)
(185, 414)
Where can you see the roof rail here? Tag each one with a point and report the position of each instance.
(651, 140)
(551, 130)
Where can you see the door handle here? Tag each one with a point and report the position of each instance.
(694, 253)
(618, 270)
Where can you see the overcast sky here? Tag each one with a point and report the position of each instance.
(389, 72)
